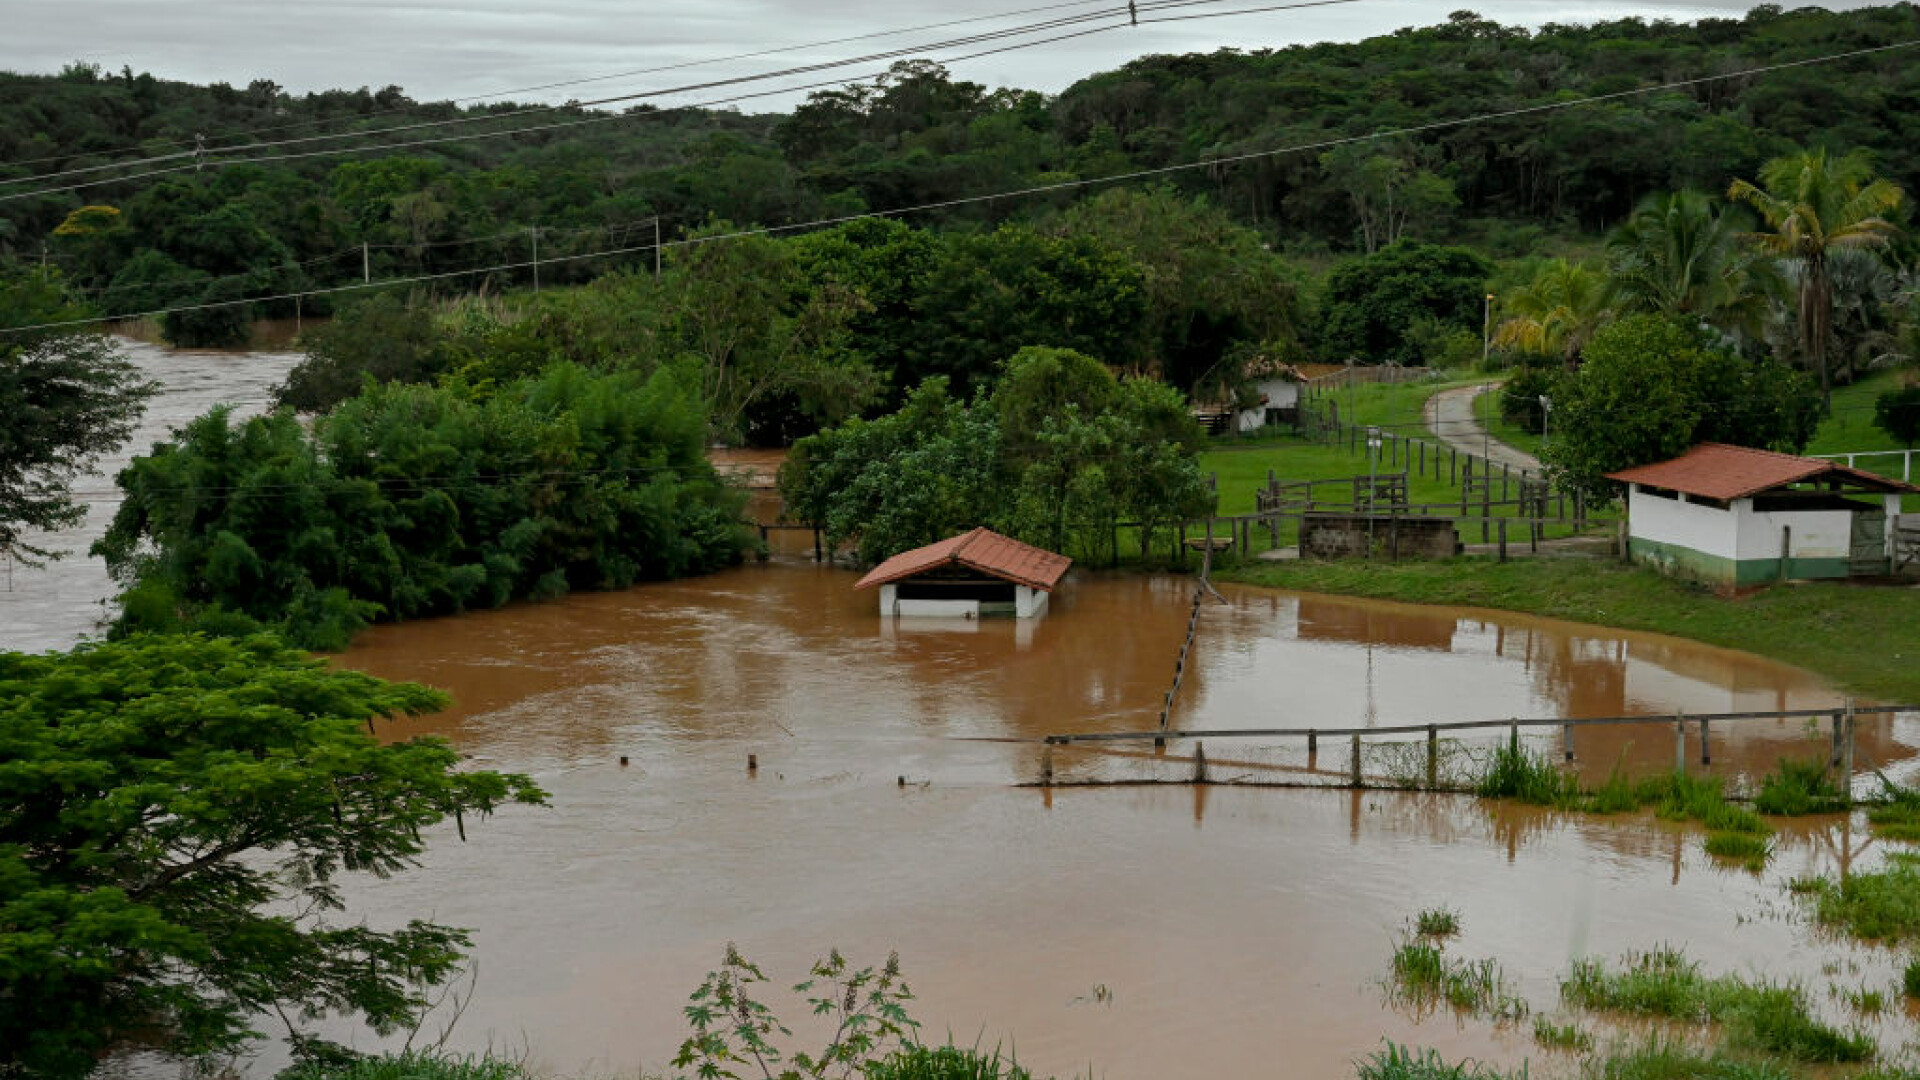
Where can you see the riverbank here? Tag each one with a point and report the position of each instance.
(1863, 638)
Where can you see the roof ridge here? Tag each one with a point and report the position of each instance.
(1758, 450)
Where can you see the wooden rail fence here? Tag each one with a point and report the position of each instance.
(1841, 754)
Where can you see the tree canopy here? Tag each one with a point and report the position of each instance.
(1650, 387)
(69, 396)
(179, 813)
(409, 501)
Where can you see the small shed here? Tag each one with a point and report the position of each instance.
(1274, 388)
(1737, 517)
(967, 576)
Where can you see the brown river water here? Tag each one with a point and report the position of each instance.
(1143, 930)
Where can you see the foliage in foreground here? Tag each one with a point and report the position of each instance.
(1424, 976)
(410, 501)
(180, 810)
(734, 1029)
(412, 1066)
(69, 397)
(1397, 1062)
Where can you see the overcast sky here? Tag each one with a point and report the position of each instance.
(439, 49)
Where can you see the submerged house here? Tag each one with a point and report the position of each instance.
(976, 573)
(1736, 517)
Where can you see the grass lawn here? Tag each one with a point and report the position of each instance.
(1865, 639)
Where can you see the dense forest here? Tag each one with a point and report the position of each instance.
(218, 226)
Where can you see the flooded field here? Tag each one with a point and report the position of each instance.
(52, 607)
(1120, 931)
(1133, 931)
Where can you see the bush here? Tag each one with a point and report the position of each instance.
(1799, 787)
(411, 1066)
(1520, 397)
(1897, 412)
(946, 1063)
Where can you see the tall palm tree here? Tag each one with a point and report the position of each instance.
(1683, 254)
(1556, 313)
(1816, 204)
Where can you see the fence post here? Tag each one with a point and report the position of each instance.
(1503, 539)
(1706, 751)
(1513, 736)
(1680, 743)
(1199, 763)
(1833, 755)
(1566, 740)
(1357, 782)
(1846, 761)
(1433, 757)
(1313, 746)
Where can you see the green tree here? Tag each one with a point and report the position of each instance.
(1816, 204)
(1207, 283)
(407, 501)
(1557, 313)
(69, 397)
(1651, 387)
(1897, 412)
(383, 338)
(180, 811)
(1682, 254)
(1372, 302)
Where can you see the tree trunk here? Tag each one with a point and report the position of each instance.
(1816, 302)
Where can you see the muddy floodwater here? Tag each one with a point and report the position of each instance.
(1145, 930)
(1138, 931)
(53, 606)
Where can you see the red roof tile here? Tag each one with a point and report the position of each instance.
(983, 550)
(1719, 471)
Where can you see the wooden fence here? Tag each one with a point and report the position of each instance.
(1841, 755)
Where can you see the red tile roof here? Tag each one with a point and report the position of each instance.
(983, 550)
(1719, 471)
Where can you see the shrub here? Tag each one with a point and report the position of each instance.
(1798, 787)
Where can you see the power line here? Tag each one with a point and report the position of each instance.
(199, 160)
(682, 65)
(1039, 189)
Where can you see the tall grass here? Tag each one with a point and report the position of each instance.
(1397, 1062)
(413, 1066)
(1665, 1059)
(1878, 905)
(1423, 975)
(946, 1063)
(1798, 787)
(1763, 1017)
(1517, 773)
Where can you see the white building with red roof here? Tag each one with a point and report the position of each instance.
(967, 576)
(1736, 517)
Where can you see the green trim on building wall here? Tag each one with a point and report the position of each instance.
(1677, 561)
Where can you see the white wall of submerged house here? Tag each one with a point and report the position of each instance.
(1027, 603)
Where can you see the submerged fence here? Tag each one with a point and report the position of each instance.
(1419, 757)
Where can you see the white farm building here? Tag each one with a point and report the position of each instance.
(1735, 517)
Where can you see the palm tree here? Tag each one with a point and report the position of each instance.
(1682, 254)
(1815, 205)
(1557, 313)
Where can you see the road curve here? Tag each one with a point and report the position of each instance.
(1450, 416)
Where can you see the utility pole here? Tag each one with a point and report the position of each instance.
(534, 232)
(1486, 333)
(656, 245)
(366, 265)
